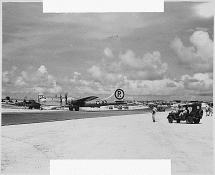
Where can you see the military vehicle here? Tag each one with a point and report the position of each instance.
(191, 113)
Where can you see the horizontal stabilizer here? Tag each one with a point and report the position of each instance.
(120, 101)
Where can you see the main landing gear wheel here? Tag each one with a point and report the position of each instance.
(76, 108)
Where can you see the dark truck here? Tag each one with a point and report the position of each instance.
(193, 113)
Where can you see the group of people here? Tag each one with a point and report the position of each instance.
(183, 111)
(208, 110)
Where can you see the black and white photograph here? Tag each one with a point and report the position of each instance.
(107, 86)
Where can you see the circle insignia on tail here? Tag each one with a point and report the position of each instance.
(119, 94)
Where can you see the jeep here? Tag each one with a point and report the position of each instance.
(191, 113)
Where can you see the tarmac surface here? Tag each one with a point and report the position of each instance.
(28, 148)
(26, 116)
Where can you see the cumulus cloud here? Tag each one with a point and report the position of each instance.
(150, 67)
(209, 93)
(20, 82)
(187, 78)
(77, 73)
(186, 87)
(198, 82)
(95, 72)
(127, 68)
(156, 87)
(42, 77)
(55, 88)
(8, 76)
(23, 79)
(199, 57)
(171, 84)
(77, 76)
(42, 69)
(104, 77)
(39, 81)
(138, 86)
(204, 10)
(44, 82)
(108, 53)
(40, 89)
(24, 74)
(203, 44)
(78, 80)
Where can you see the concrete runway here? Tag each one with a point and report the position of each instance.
(28, 148)
(26, 116)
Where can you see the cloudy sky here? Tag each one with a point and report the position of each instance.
(150, 55)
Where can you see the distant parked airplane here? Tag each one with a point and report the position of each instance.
(50, 102)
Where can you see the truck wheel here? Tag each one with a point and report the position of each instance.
(77, 108)
(178, 121)
(189, 120)
(196, 121)
(71, 108)
(170, 119)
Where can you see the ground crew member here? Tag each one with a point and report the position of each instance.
(154, 110)
(210, 110)
(207, 110)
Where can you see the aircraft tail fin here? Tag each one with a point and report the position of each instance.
(118, 93)
(109, 96)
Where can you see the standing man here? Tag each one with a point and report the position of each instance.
(207, 110)
(154, 110)
(210, 109)
(24, 102)
(61, 101)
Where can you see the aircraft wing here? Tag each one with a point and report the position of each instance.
(86, 99)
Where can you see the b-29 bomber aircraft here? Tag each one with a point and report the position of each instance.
(75, 104)
(82, 102)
